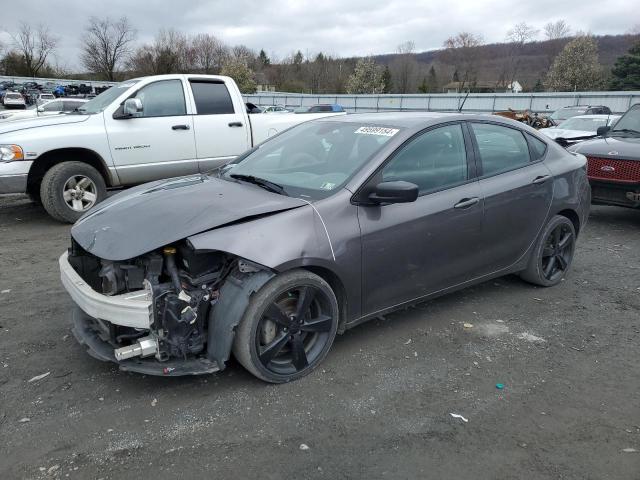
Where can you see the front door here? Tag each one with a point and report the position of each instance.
(413, 249)
(158, 143)
(517, 188)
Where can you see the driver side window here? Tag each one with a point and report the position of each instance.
(162, 99)
(433, 161)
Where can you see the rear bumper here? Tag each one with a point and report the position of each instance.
(619, 194)
(90, 333)
(13, 176)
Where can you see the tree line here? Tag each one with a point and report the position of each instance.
(109, 50)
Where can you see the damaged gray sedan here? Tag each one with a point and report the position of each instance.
(320, 228)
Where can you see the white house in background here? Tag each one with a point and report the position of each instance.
(514, 87)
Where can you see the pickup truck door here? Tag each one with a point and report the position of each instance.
(220, 122)
(159, 142)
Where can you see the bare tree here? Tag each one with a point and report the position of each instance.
(403, 67)
(556, 30)
(522, 33)
(106, 44)
(517, 36)
(460, 52)
(209, 53)
(170, 52)
(35, 45)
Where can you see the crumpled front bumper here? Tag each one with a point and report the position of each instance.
(93, 313)
(132, 309)
(88, 333)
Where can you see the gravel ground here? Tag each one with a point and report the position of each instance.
(379, 406)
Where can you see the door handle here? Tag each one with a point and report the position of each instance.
(180, 127)
(235, 124)
(541, 179)
(466, 202)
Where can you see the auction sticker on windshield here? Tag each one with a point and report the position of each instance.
(387, 132)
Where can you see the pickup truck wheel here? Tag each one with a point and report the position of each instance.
(70, 189)
(288, 327)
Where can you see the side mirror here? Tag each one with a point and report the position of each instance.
(41, 109)
(132, 107)
(394, 192)
(602, 131)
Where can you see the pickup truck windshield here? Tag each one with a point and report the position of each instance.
(312, 160)
(630, 121)
(102, 101)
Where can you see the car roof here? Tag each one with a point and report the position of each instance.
(411, 119)
(603, 116)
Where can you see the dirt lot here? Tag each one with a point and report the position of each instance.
(380, 405)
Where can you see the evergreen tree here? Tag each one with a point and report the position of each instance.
(626, 71)
(264, 59)
(538, 87)
(386, 80)
(432, 80)
(424, 86)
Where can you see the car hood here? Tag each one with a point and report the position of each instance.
(623, 147)
(564, 133)
(45, 121)
(150, 216)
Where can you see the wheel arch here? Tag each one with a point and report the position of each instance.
(53, 157)
(573, 216)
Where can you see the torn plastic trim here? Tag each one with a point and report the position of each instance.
(227, 313)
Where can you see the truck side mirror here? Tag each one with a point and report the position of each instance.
(132, 107)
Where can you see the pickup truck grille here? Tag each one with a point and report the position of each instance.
(623, 171)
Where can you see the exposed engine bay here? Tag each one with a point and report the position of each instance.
(184, 286)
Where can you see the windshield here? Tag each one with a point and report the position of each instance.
(565, 113)
(584, 124)
(314, 159)
(102, 101)
(630, 120)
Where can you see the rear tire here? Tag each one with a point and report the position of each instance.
(70, 189)
(552, 254)
(277, 343)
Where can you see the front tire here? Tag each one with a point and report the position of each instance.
(288, 327)
(70, 189)
(552, 254)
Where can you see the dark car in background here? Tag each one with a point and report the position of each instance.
(567, 112)
(614, 161)
(320, 108)
(329, 224)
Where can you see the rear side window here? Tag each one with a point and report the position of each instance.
(212, 98)
(162, 99)
(52, 106)
(538, 147)
(434, 161)
(70, 106)
(501, 148)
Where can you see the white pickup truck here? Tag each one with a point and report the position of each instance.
(136, 131)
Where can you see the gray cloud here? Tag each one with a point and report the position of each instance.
(341, 28)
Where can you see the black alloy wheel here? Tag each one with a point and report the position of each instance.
(552, 254)
(557, 252)
(288, 327)
(294, 330)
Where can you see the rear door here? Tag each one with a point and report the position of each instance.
(517, 189)
(158, 143)
(220, 128)
(410, 250)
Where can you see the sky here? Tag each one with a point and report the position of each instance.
(340, 28)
